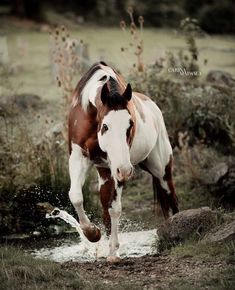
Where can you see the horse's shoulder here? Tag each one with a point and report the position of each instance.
(82, 126)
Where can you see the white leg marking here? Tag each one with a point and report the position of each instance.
(78, 167)
(115, 213)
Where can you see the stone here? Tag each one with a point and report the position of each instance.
(220, 182)
(223, 233)
(216, 173)
(184, 225)
(220, 78)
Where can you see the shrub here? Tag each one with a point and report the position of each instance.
(218, 18)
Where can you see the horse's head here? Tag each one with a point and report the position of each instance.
(115, 130)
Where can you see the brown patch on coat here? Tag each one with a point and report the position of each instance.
(169, 179)
(161, 195)
(92, 233)
(131, 110)
(82, 131)
(107, 195)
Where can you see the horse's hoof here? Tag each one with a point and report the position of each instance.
(113, 259)
(92, 233)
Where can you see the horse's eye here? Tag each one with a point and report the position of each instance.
(105, 127)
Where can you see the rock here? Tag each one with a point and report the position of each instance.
(216, 173)
(185, 224)
(220, 181)
(223, 233)
(220, 78)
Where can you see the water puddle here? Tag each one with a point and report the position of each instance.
(132, 244)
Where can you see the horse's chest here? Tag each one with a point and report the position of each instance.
(94, 153)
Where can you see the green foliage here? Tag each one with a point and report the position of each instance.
(204, 111)
(204, 251)
(218, 18)
(33, 169)
(220, 280)
(19, 268)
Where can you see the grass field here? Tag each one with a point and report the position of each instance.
(29, 54)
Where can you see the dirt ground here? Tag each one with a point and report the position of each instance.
(148, 272)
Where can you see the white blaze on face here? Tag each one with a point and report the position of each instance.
(113, 141)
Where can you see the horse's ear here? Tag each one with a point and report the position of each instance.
(128, 92)
(104, 93)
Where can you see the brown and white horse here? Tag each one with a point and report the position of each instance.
(115, 129)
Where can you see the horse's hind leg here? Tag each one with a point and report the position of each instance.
(110, 195)
(163, 186)
(78, 167)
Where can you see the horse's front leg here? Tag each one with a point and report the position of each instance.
(78, 167)
(110, 195)
(115, 211)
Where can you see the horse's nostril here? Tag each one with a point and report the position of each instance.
(118, 171)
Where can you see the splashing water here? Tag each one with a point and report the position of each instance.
(132, 244)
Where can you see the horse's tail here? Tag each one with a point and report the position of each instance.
(167, 201)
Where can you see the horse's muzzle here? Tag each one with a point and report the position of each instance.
(124, 173)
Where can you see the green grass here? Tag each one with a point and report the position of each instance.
(205, 251)
(209, 253)
(19, 270)
(33, 67)
(211, 280)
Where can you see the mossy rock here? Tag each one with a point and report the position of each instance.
(185, 225)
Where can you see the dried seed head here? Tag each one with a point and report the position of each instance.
(63, 39)
(123, 24)
(140, 67)
(122, 49)
(62, 28)
(141, 19)
(130, 9)
(57, 31)
(133, 26)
